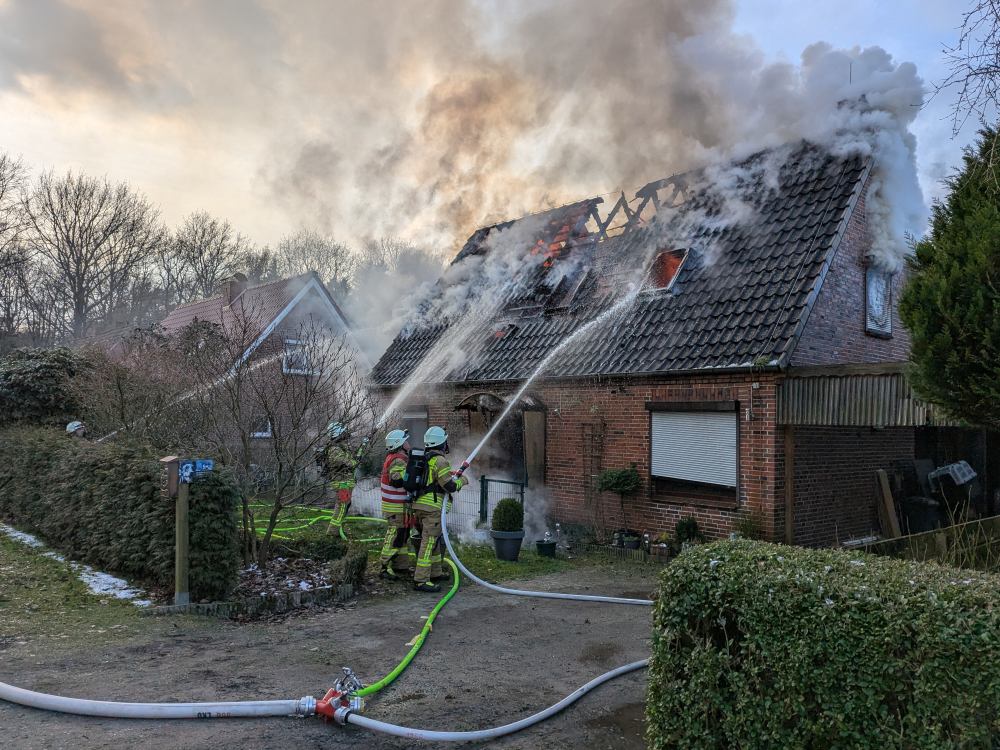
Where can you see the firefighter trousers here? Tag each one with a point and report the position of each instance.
(396, 547)
(340, 507)
(430, 557)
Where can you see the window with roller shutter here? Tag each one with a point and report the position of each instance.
(695, 446)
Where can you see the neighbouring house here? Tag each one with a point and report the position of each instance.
(758, 373)
(268, 318)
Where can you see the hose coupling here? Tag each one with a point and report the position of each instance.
(307, 706)
(341, 714)
(348, 683)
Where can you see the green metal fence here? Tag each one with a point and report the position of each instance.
(492, 491)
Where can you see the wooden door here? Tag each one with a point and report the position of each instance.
(534, 447)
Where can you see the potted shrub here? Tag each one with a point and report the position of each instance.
(687, 532)
(508, 529)
(624, 483)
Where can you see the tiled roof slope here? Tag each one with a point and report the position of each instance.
(738, 300)
(261, 304)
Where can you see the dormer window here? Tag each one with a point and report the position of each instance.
(664, 269)
(878, 302)
(295, 360)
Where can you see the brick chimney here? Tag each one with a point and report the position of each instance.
(233, 287)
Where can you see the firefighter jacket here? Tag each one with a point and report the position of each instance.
(439, 484)
(341, 464)
(394, 497)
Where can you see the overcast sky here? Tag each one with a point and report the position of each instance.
(422, 120)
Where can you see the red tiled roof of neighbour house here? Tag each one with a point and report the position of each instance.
(739, 298)
(261, 304)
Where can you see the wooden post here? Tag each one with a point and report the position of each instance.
(181, 595)
(888, 506)
(789, 484)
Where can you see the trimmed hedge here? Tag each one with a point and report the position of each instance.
(759, 646)
(102, 504)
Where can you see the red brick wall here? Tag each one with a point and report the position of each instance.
(620, 407)
(835, 491)
(835, 329)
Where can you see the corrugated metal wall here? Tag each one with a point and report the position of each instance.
(870, 400)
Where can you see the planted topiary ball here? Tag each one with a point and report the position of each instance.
(508, 515)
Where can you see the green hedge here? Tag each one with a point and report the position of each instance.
(764, 646)
(35, 386)
(102, 504)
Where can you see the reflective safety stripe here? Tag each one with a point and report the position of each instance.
(390, 508)
(393, 493)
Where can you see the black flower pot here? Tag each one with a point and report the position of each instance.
(507, 544)
(545, 549)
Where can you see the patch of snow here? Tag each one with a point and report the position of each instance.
(20, 536)
(101, 584)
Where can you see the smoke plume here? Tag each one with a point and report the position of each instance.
(423, 121)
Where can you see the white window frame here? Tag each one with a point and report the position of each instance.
(686, 468)
(295, 345)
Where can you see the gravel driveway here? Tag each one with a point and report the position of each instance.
(491, 659)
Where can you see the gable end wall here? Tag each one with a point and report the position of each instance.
(835, 330)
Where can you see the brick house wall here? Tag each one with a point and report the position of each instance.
(834, 485)
(835, 331)
(616, 407)
(835, 490)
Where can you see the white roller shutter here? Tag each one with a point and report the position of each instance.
(698, 446)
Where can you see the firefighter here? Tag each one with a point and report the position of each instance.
(341, 464)
(76, 429)
(438, 485)
(396, 555)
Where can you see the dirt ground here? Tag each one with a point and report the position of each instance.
(491, 659)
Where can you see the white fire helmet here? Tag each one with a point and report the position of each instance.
(73, 426)
(395, 439)
(335, 430)
(435, 437)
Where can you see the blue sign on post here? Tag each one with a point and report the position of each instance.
(203, 466)
(185, 471)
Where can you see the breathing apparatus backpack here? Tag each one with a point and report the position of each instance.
(415, 476)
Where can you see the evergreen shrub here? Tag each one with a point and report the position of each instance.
(759, 645)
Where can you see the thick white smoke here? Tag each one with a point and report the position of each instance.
(424, 122)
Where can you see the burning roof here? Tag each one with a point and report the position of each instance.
(758, 235)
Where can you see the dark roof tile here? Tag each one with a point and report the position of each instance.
(729, 310)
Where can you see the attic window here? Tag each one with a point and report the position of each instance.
(664, 268)
(296, 358)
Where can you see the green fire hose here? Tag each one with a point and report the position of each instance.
(417, 642)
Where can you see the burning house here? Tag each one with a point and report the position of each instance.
(746, 356)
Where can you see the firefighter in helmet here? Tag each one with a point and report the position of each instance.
(76, 429)
(438, 485)
(396, 556)
(341, 464)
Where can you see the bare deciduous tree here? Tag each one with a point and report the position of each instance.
(974, 66)
(307, 250)
(91, 239)
(12, 219)
(265, 416)
(140, 387)
(204, 252)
